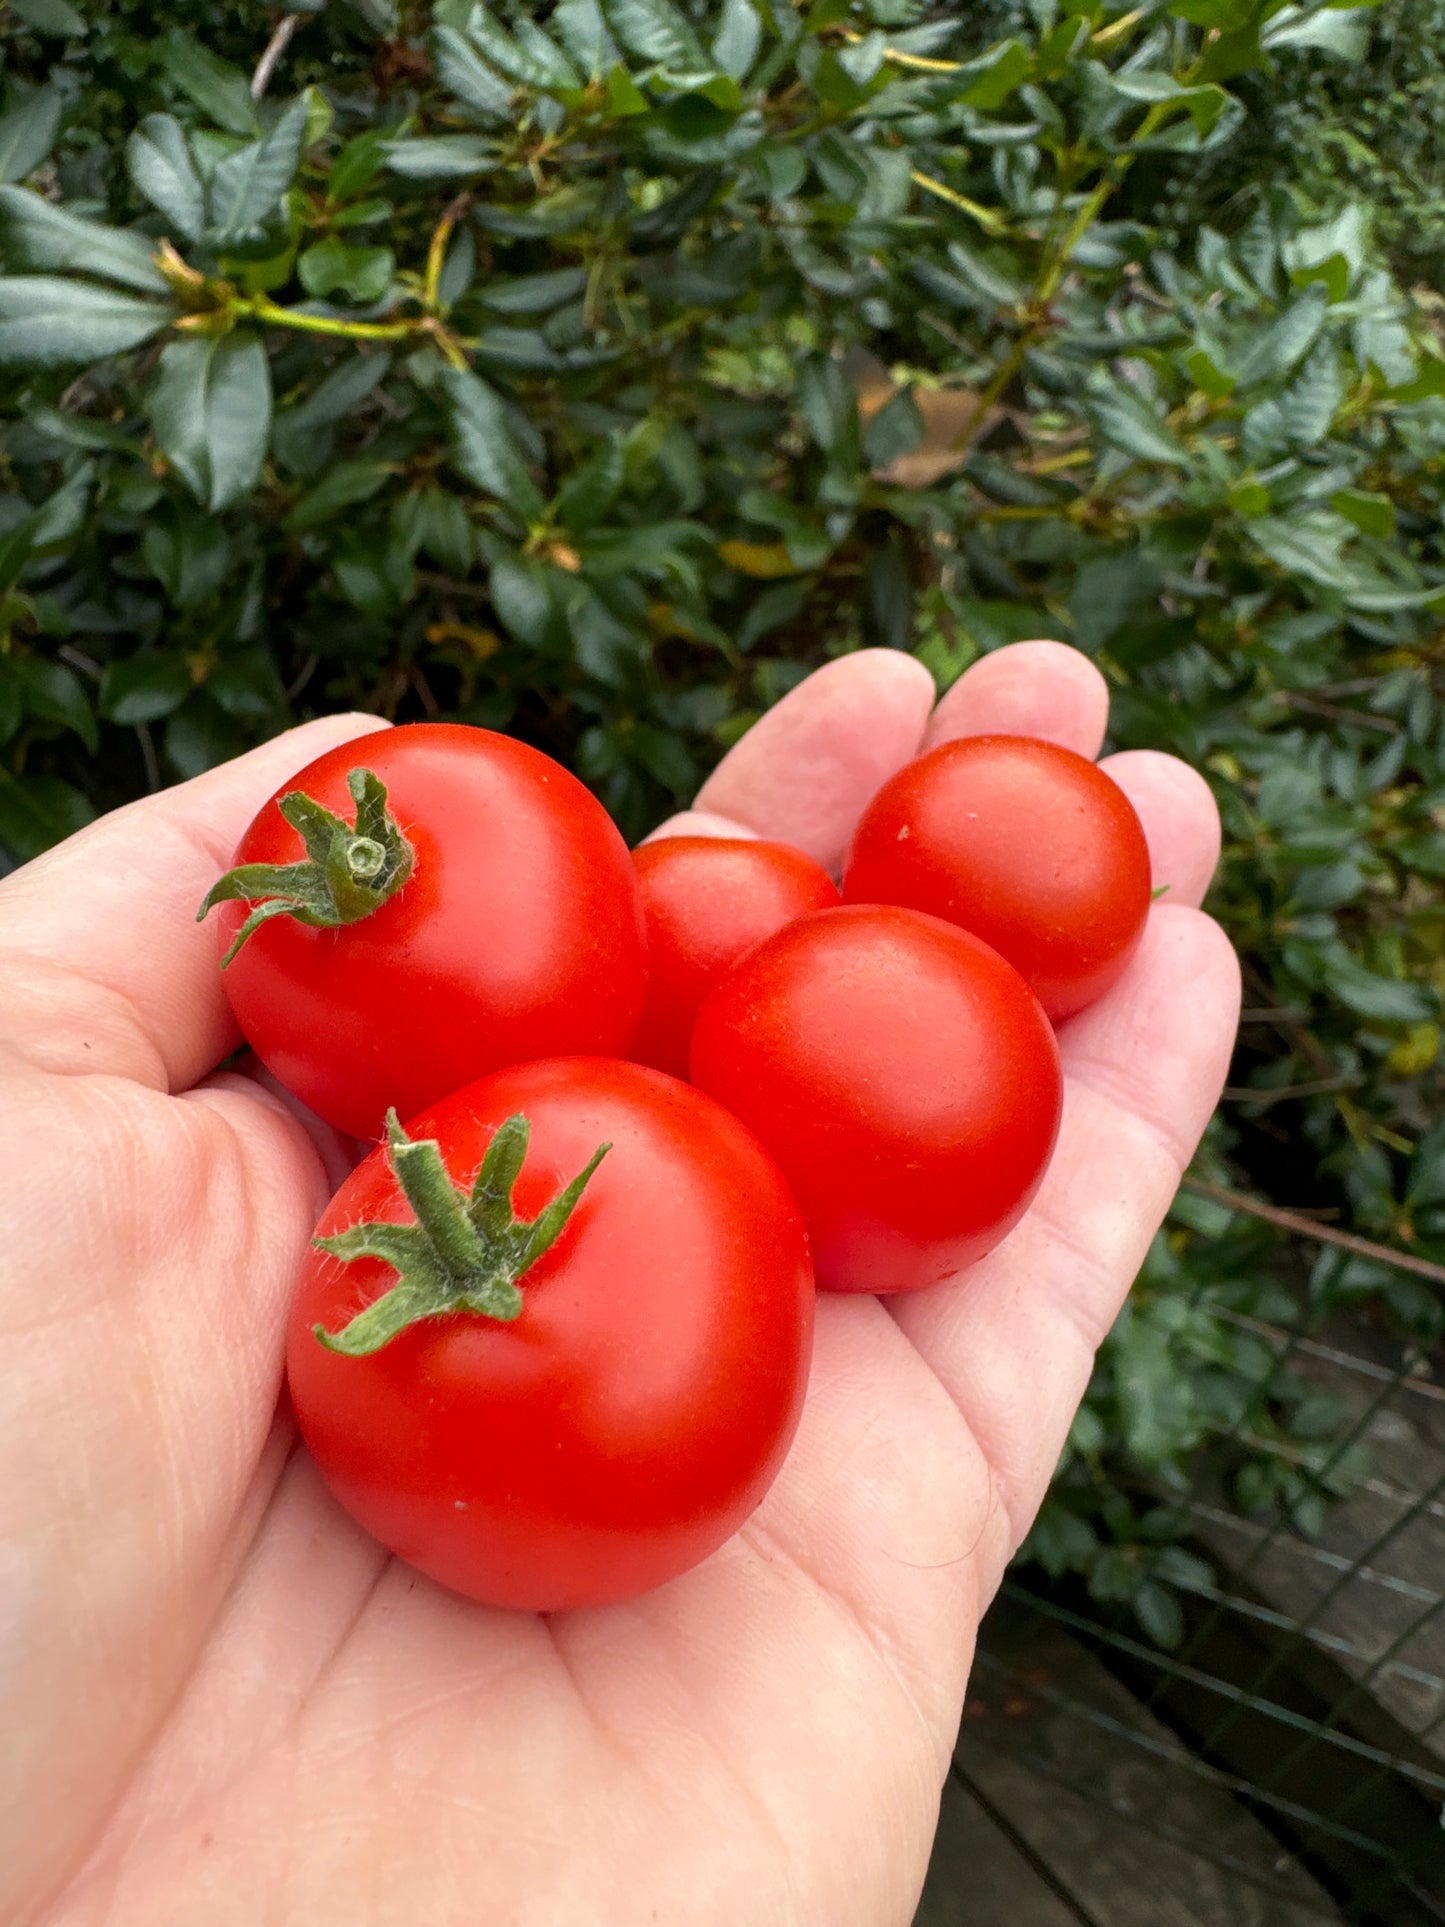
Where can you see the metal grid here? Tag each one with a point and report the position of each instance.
(1308, 1692)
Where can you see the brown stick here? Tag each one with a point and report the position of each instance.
(275, 47)
(1321, 1234)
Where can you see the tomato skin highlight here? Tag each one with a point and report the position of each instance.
(518, 934)
(706, 902)
(630, 1419)
(904, 1077)
(1028, 845)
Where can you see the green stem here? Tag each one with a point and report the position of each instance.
(349, 871)
(465, 1252)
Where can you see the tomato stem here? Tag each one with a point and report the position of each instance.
(350, 869)
(466, 1252)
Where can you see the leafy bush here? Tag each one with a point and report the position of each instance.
(592, 371)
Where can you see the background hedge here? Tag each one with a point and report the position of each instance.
(593, 370)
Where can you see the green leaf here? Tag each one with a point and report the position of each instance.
(55, 694)
(1284, 342)
(1109, 592)
(340, 488)
(49, 322)
(526, 54)
(356, 166)
(999, 73)
(586, 496)
(624, 97)
(54, 17)
(434, 520)
(1203, 104)
(217, 88)
(520, 598)
(1382, 999)
(36, 234)
(15, 547)
(739, 34)
(1158, 1612)
(211, 410)
(584, 34)
(189, 555)
(162, 169)
(246, 188)
(1307, 406)
(482, 444)
(533, 293)
(1332, 274)
(1368, 510)
(348, 384)
(828, 403)
(1128, 424)
(463, 72)
(332, 267)
(27, 131)
(1249, 497)
(657, 31)
(143, 688)
(1307, 546)
(38, 811)
(1345, 33)
(1207, 376)
(896, 429)
(447, 157)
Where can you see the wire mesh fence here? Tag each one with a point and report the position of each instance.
(1282, 1759)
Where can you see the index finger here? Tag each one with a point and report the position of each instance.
(103, 966)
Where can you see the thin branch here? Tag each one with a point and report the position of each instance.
(275, 47)
(1266, 1095)
(1302, 1227)
(1356, 718)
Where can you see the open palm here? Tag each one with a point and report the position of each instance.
(221, 1703)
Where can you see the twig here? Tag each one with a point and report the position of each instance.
(1356, 718)
(275, 47)
(1302, 1227)
(987, 219)
(1264, 1097)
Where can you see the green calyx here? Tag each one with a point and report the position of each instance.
(467, 1252)
(350, 869)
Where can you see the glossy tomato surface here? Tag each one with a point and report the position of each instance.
(706, 902)
(634, 1413)
(517, 935)
(1030, 846)
(904, 1077)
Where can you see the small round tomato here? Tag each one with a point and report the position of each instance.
(1026, 844)
(430, 904)
(904, 1077)
(706, 900)
(577, 1402)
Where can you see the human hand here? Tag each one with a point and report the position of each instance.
(223, 1703)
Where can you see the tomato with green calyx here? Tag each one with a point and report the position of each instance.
(551, 1344)
(423, 907)
(905, 1079)
(706, 900)
(1028, 845)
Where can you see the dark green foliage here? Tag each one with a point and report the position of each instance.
(592, 370)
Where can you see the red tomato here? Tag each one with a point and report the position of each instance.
(1029, 846)
(904, 1077)
(516, 934)
(629, 1417)
(706, 901)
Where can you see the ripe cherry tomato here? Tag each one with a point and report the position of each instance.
(630, 1395)
(496, 919)
(904, 1077)
(706, 901)
(1028, 845)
